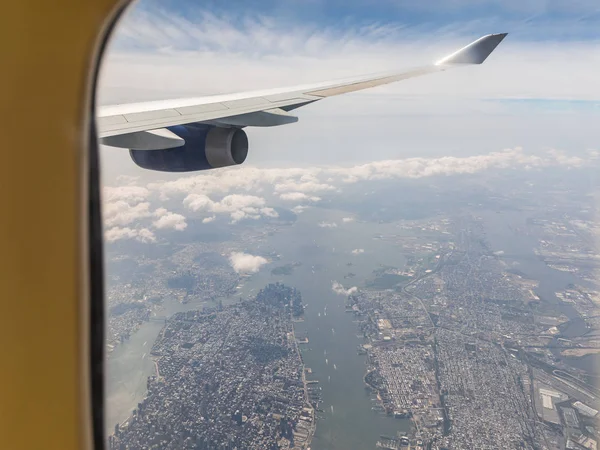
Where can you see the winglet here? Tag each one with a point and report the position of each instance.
(474, 53)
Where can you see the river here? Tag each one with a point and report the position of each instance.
(348, 420)
(505, 232)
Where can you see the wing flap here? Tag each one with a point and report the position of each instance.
(151, 115)
(158, 139)
(268, 118)
(247, 102)
(199, 109)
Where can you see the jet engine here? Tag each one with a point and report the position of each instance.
(186, 148)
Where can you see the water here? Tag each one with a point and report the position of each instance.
(128, 369)
(347, 420)
(504, 232)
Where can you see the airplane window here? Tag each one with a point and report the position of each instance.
(340, 225)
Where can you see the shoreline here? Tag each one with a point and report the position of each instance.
(313, 425)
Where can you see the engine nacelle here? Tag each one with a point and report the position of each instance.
(205, 147)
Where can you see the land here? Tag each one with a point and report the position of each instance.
(286, 269)
(468, 337)
(470, 353)
(140, 280)
(226, 376)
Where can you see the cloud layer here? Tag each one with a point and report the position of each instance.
(139, 234)
(251, 193)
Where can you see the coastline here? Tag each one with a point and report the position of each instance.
(313, 426)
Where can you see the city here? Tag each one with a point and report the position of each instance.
(476, 327)
(230, 377)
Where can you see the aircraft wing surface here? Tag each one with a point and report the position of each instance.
(259, 108)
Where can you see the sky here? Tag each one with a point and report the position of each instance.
(534, 102)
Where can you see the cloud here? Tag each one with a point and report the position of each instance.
(452, 165)
(269, 212)
(152, 43)
(298, 197)
(145, 235)
(245, 263)
(130, 194)
(358, 251)
(127, 179)
(564, 160)
(171, 220)
(237, 206)
(327, 224)
(122, 213)
(124, 206)
(339, 289)
(159, 212)
(116, 234)
(309, 186)
(286, 182)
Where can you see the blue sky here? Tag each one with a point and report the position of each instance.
(541, 20)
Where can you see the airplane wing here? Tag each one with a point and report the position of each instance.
(264, 108)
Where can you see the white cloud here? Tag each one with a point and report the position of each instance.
(246, 263)
(159, 212)
(287, 183)
(564, 160)
(238, 206)
(298, 197)
(198, 202)
(116, 234)
(237, 179)
(358, 251)
(122, 206)
(130, 194)
(271, 51)
(327, 224)
(127, 180)
(145, 235)
(122, 213)
(269, 212)
(208, 219)
(340, 290)
(235, 202)
(451, 165)
(171, 220)
(309, 186)
(593, 154)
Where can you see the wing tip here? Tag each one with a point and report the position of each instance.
(474, 53)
